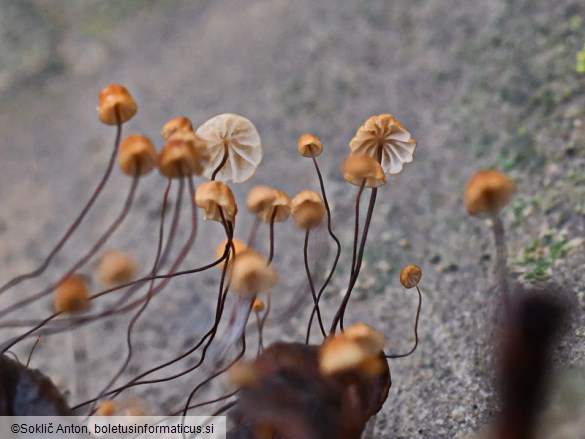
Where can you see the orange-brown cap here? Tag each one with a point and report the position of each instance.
(243, 374)
(72, 295)
(308, 209)
(213, 196)
(250, 275)
(266, 201)
(137, 155)
(115, 97)
(106, 408)
(367, 338)
(178, 159)
(180, 123)
(360, 167)
(384, 132)
(116, 267)
(309, 145)
(487, 192)
(339, 354)
(258, 306)
(410, 276)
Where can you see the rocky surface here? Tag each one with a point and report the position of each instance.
(478, 84)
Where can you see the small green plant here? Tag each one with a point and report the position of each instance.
(580, 61)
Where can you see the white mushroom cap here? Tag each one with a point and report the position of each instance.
(243, 143)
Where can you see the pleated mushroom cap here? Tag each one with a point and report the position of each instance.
(410, 276)
(214, 196)
(487, 192)
(241, 139)
(116, 97)
(386, 132)
(309, 145)
(308, 209)
(174, 125)
(360, 167)
(137, 155)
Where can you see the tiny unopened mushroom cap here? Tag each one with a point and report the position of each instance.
(250, 275)
(487, 192)
(213, 196)
(244, 147)
(116, 267)
(258, 306)
(384, 134)
(309, 145)
(239, 247)
(178, 159)
(137, 155)
(106, 408)
(72, 295)
(180, 123)
(115, 98)
(410, 276)
(360, 167)
(367, 338)
(308, 209)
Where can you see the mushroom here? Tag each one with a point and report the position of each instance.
(308, 209)
(486, 193)
(137, 155)
(238, 248)
(174, 125)
(116, 105)
(410, 276)
(115, 268)
(384, 138)
(179, 159)
(309, 145)
(217, 200)
(362, 170)
(234, 146)
(270, 205)
(71, 297)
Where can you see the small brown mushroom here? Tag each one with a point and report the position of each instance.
(116, 267)
(487, 192)
(214, 196)
(137, 155)
(174, 125)
(116, 105)
(309, 145)
(308, 209)
(72, 295)
(410, 276)
(361, 169)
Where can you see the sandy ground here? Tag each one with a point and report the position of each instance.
(478, 84)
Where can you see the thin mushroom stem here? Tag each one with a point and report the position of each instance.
(88, 255)
(212, 401)
(501, 261)
(223, 160)
(253, 232)
(79, 350)
(415, 330)
(341, 311)
(271, 254)
(311, 284)
(262, 323)
(337, 243)
(32, 350)
(73, 227)
(356, 231)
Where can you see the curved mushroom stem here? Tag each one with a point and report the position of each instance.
(71, 229)
(356, 231)
(341, 311)
(212, 401)
(253, 232)
(337, 243)
(311, 284)
(501, 261)
(223, 160)
(415, 330)
(32, 350)
(271, 253)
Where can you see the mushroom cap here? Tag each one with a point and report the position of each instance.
(106, 408)
(308, 209)
(487, 191)
(137, 155)
(213, 196)
(243, 374)
(250, 275)
(309, 145)
(72, 295)
(387, 132)
(340, 354)
(179, 159)
(369, 340)
(116, 267)
(264, 201)
(239, 247)
(410, 276)
(115, 96)
(180, 123)
(243, 144)
(258, 306)
(358, 167)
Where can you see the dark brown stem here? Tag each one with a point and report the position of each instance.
(41, 268)
(356, 231)
(223, 160)
(415, 330)
(271, 254)
(311, 285)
